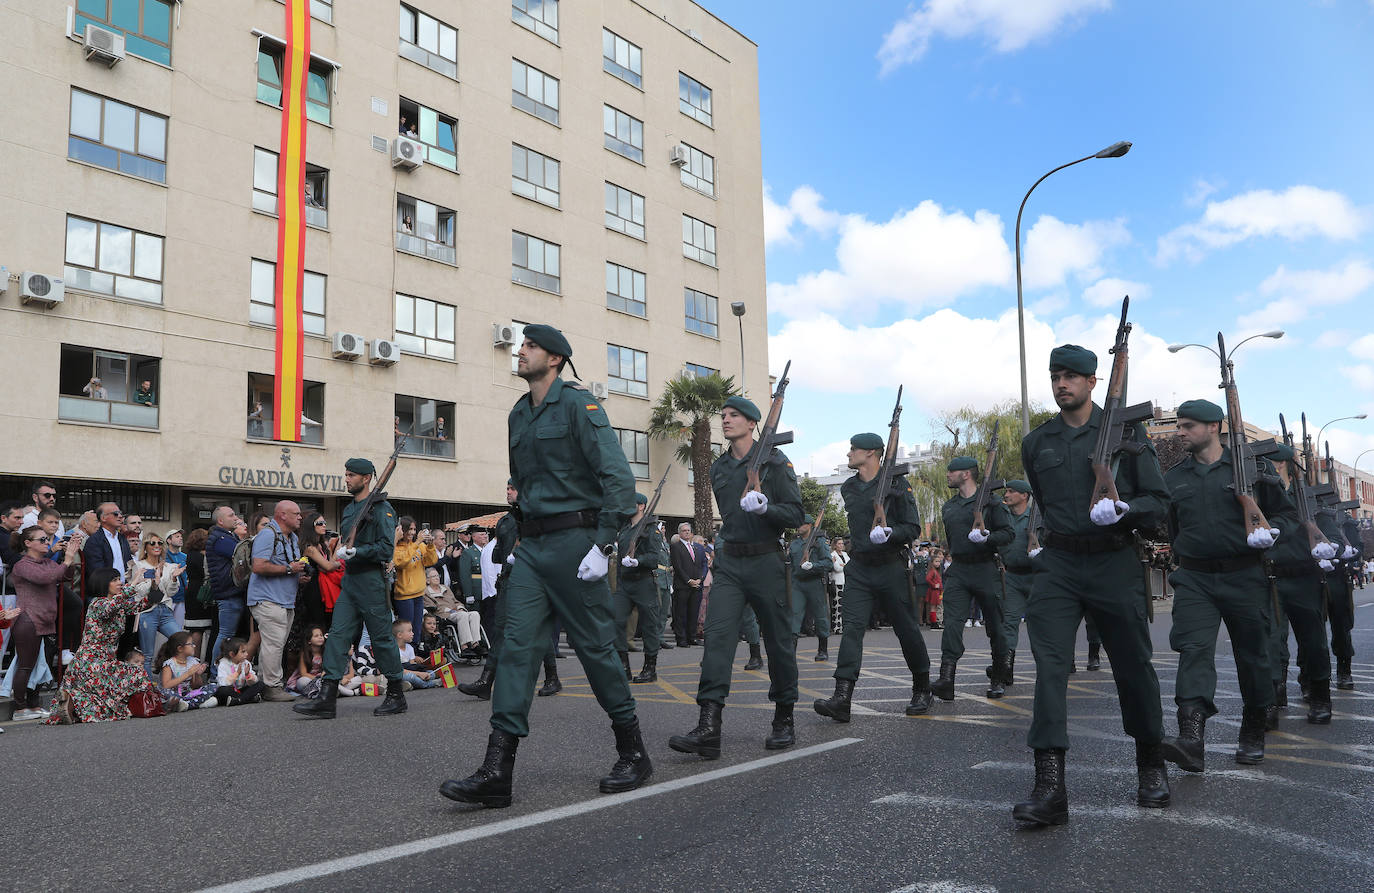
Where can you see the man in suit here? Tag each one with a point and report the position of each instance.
(688, 572)
(108, 547)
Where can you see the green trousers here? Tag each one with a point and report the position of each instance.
(1202, 602)
(1107, 587)
(809, 594)
(544, 582)
(741, 582)
(494, 615)
(362, 602)
(1300, 605)
(1017, 589)
(639, 593)
(963, 584)
(1340, 609)
(749, 629)
(663, 580)
(885, 585)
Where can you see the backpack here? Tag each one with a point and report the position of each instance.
(241, 564)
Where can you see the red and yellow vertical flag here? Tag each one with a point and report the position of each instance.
(290, 381)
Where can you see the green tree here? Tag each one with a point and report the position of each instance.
(814, 496)
(683, 414)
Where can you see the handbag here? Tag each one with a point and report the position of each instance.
(206, 595)
(330, 584)
(146, 704)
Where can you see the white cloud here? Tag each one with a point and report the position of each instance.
(1008, 25)
(804, 207)
(1300, 291)
(1048, 305)
(1109, 292)
(1300, 212)
(1202, 189)
(1363, 347)
(1055, 250)
(821, 463)
(1333, 337)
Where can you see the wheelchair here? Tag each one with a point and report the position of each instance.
(448, 634)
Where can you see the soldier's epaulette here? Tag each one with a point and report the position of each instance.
(777, 457)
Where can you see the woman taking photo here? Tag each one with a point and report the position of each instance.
(147, 571)
(37, 585)
(414, 552)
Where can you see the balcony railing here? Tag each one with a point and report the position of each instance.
(419, 445)
(318, 217)
(106, 412)
(411, 244)
(261, 429)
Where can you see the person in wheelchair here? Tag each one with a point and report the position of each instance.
(460, 628)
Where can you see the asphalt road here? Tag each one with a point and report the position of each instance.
(255, 798)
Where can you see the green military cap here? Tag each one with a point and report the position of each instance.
(1201, 411)
(808, 519)
(641, 499)
(549, 338)
(1018, 485)
(866, 442)
(962, 463)
(1073, 358)
(1282, 452)
(360, 466)
(510, 482)
(744, 407)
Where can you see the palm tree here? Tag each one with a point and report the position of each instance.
(683, 413)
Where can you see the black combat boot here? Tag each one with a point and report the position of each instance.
(1319, 707)
(395, 700)
(552, 684)
(999, 675)
(481, 686)
(1281, 688)
(822, 651)
(920, 695)
(782, 735)
(1094, 657)
(649, 672)
(1303, 685)
(1049, 801)
(1152, 790)
(704, 740)
(1344, 681)
(323, 706)
(837, 705)
(944, 686)
(1250, 743)
(1273, 711)
(755, 658)
(633, 768)
(1187, 751)
(490, 784)
(625, 665)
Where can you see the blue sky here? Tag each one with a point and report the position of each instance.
(898, 140)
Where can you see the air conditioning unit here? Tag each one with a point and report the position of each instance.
(502, 335)
(407, 154)
(383, 353)
(103, 45)
(348, 346)
(679, 155)
(598, 389)
(35, 288)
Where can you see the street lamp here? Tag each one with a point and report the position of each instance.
(1115, 150)
(1276, 333)
(737, 308)
(1355, 473)
(1317, 444)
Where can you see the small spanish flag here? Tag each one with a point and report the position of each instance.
(373, 689)
(445, 674)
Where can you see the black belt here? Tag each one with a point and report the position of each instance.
(1219, 565)
(554, 523)
(1019, 571)
(975, 558)
(744, 550)
(875, 557)
(635, 573)
(1087, 544)
(1293, 569)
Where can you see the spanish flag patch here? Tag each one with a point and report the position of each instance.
(592, 407)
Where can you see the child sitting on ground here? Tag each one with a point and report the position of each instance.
(413, 673)
(182, 676)
(237, 683)
(429, 641)
(310, 665)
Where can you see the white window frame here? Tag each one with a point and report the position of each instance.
(532, 270)
(617, 382)
(622, 59)
(524, 161)
(619, 278)
(442, 322)
(435, 56)
(699, 172)
(698, 240)
(619, 130)
(544, 21)
(692, 294)
(618, 199)
(532, 89)
(699, 111)
(424, 240)
(112, 273)
(145, 162)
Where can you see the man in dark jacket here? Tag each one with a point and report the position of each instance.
(687, 578)
(100, 549)
(219, 560)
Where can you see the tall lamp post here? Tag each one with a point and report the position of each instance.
(1115, 150)
(737, 308)
(1317, 444)
(1355, 473)
(1276, 333)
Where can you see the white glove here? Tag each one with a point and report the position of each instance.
(627, 561)
(594, 565)
(754, 502)
(1036, 551)
(345, 553)
(1348, 553)
(977, 536)
(1323, 551)
(1107, 512)
(1262, 539)
(806, 565)
(1326, 565)
(510, 559)
(878, 535)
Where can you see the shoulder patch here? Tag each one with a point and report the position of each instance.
(596, 413)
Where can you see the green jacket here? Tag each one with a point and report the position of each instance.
(778, 481)
(902, 515)
(1016, 554)
(470, 563)
(646, 553)
(1205, 520)
(820, 558)
(957, 513)
(376, 539)
(1293, 547)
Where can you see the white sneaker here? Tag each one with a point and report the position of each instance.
(67, 657)
(29, 713)
(977, 623)
(968, 624)
(208, 703)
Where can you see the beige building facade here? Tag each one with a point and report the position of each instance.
(591, 165)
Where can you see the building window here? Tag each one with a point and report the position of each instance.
(539, 16)
(533, 175)
(636, 447)
(424, 327)
(317, 81)
(117, 136)
(627, 371)
(427, 426)
(535, 263)
(108, 388)
(265, 188)
(624, 134)
(316, 196)
(698, 240)
(694, 370)
(438, 132)
(322, 10)
(624, 289)
(261, 405)
(622, 58)
(699, 172)
(145, 24)
(701, 313)
(262, 303)
(426, 230)
(694, 98)
(533, 91)
(624, 211)
(429, 42)
(113, 260)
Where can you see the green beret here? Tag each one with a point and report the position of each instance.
(1201, 411)
(1073, 358)
(962, 463)
(360, 466)
(808, 519)
(1282, 453)
(510, 482)
(866, 442)
(549, 338)
(1018, 485)
(641, 499)
(744, 407)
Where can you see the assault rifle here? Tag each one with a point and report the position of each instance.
(889, 466)
(1244, 467)
(986, 487)
(1032, 534)
(1118, 421)
(376, 495)
(769, 436)
(811, 537)
(638, 530)
(1303, 496)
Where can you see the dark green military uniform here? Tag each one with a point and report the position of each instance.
(362, 594)
(972, 574)
(507, 532)
(808, 584)
(470, 576)
(1339, 591)
(920, 565)
(663, 579)
(1016, 581)
(569, 469)
(635, 588)
(1300, 590)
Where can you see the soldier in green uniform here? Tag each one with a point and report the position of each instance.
(362, 597)
(748, 570)
(663, 579)
(1340, 595)
(877, 575)
(972, 575)
(494, 609)
(1088, 565)
(920, 564)
(1016, 566)
(1220, 578)
(576, 490)
(635, 588)
(808, 584)
(470, 573)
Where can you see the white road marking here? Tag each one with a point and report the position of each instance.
(1248, 775)
(944, 887)
(441, 841)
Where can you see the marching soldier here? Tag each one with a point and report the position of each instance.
(1016, 562)
(494, 609)
(1341, 530)
(748, 570)
(1088, 565)
(877, 574)
(808, 584)
(663, 578)
(576, 490)
(635, 588)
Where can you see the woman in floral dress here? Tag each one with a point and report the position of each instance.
(97, 686)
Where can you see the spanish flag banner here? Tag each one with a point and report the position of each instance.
(290, 280)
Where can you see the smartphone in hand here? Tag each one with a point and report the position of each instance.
(149, 574)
